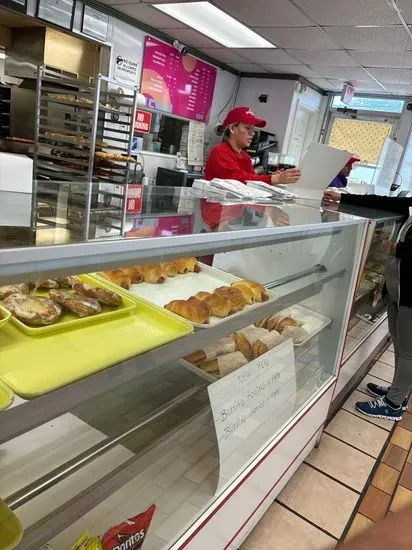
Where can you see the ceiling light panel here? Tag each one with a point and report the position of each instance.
(348, 12)
(214, 23)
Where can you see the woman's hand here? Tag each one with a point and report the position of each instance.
(287, 176)
(331, 196)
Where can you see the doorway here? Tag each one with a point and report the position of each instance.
(303, 131)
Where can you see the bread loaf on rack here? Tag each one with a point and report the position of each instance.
(192, 309)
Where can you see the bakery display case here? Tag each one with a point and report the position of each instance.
(194, 392)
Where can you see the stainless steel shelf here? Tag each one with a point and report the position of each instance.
(30, 414)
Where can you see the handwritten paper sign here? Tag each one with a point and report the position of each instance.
(250, 405)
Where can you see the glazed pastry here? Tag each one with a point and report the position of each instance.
(187, 265)
(246, 291)
(102, 295)
(134, 273)
(219, 306)
(33, 310)
(192, 309)
(68, 282)
(46, 283)
(234, 295)
(211, 351)
(75, 302)
(7, 290)
(118, 276)
(298, 334)
(260, 293)
(152, 273)
(225, 364)
(267, 342)
(170, 268)
(246, 338)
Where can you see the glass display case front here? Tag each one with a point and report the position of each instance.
(170, 365)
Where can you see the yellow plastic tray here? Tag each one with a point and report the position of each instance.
(6, 397)
(34, 366)
(11, 530)
(71, 320)
(4, 316)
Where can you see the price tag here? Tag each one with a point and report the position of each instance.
(134, 198)
(250, 404)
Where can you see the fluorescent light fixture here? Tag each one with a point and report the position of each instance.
(216, 24)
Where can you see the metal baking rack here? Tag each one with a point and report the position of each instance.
(74, 121)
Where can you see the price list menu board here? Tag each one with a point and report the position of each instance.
(182, 85)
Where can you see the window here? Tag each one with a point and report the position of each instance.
(405, 170)
(165, 135)
(377, 104)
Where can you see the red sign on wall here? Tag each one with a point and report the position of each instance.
(134, 198)
(142, 121)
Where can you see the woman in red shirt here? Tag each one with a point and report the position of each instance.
(228, 160)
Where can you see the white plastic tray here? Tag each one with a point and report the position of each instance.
(312, 321)
(182, 287)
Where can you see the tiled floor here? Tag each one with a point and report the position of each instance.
(361, 471)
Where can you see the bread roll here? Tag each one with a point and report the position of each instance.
(219, 306)
(259, 292)
(153, 273)
(120, 277)
(169, 268)
(266, 342)
(134, 273)
(202, 295)
(211, 351)
(187, 265)
(192, 309)
(246, 291)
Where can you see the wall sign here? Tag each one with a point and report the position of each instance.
(95, 23)
(142, 121)
(125, 70)
(134, 198)
(58, 12)
(250, 404)
(182, 85)
(347, 93)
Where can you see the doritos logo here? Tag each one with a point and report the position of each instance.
(128, 542)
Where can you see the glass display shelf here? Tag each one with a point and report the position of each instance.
(113, 439)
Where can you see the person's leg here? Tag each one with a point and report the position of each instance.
(402, 382)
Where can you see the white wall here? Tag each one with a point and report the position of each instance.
(277, 109)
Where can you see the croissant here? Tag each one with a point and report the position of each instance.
(187, 265)
(118, 276)
(234, 295)
(286, 322)
(246, 338)
(134, 274)
(266, 342)
(153, 273)
(170, 268)
(260, 293)
(263, 323)
(192, 309)
(211, 351)
(219, 306)
(246, 291)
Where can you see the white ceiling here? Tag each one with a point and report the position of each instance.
(368, 42)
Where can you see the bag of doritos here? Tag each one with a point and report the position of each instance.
(128, 535)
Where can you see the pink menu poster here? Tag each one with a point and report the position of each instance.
(182, 85)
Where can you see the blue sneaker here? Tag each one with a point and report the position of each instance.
(382, 391)
(379, 408)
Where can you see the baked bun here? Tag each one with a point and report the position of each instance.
(234, 295)
(247, 292)
(102, 295)
(120, 277)
(187, 265)
(192, 309)
(7, 290)
(152, 273)
(75, 302)
(33, 310)
(259, 292)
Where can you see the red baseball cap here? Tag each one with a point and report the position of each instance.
(352, 160)
(244, 115)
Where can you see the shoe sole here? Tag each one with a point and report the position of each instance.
(393, 418)
(378, 395)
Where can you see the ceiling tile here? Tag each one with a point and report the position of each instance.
(349, 12)
(384, 39)
(268, 56)
(406, 8)
(395, 76)
(335, 58)
(360, 86)
(398, 60)
(342, 73)
(248, 68)
(116, 2)
(265, 13)
(224, 55)
(312, 38)
(150, 16)
(323, 83)
(301, 70)
(190, 37)
(402, 89)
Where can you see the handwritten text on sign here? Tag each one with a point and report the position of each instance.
(250, 405)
